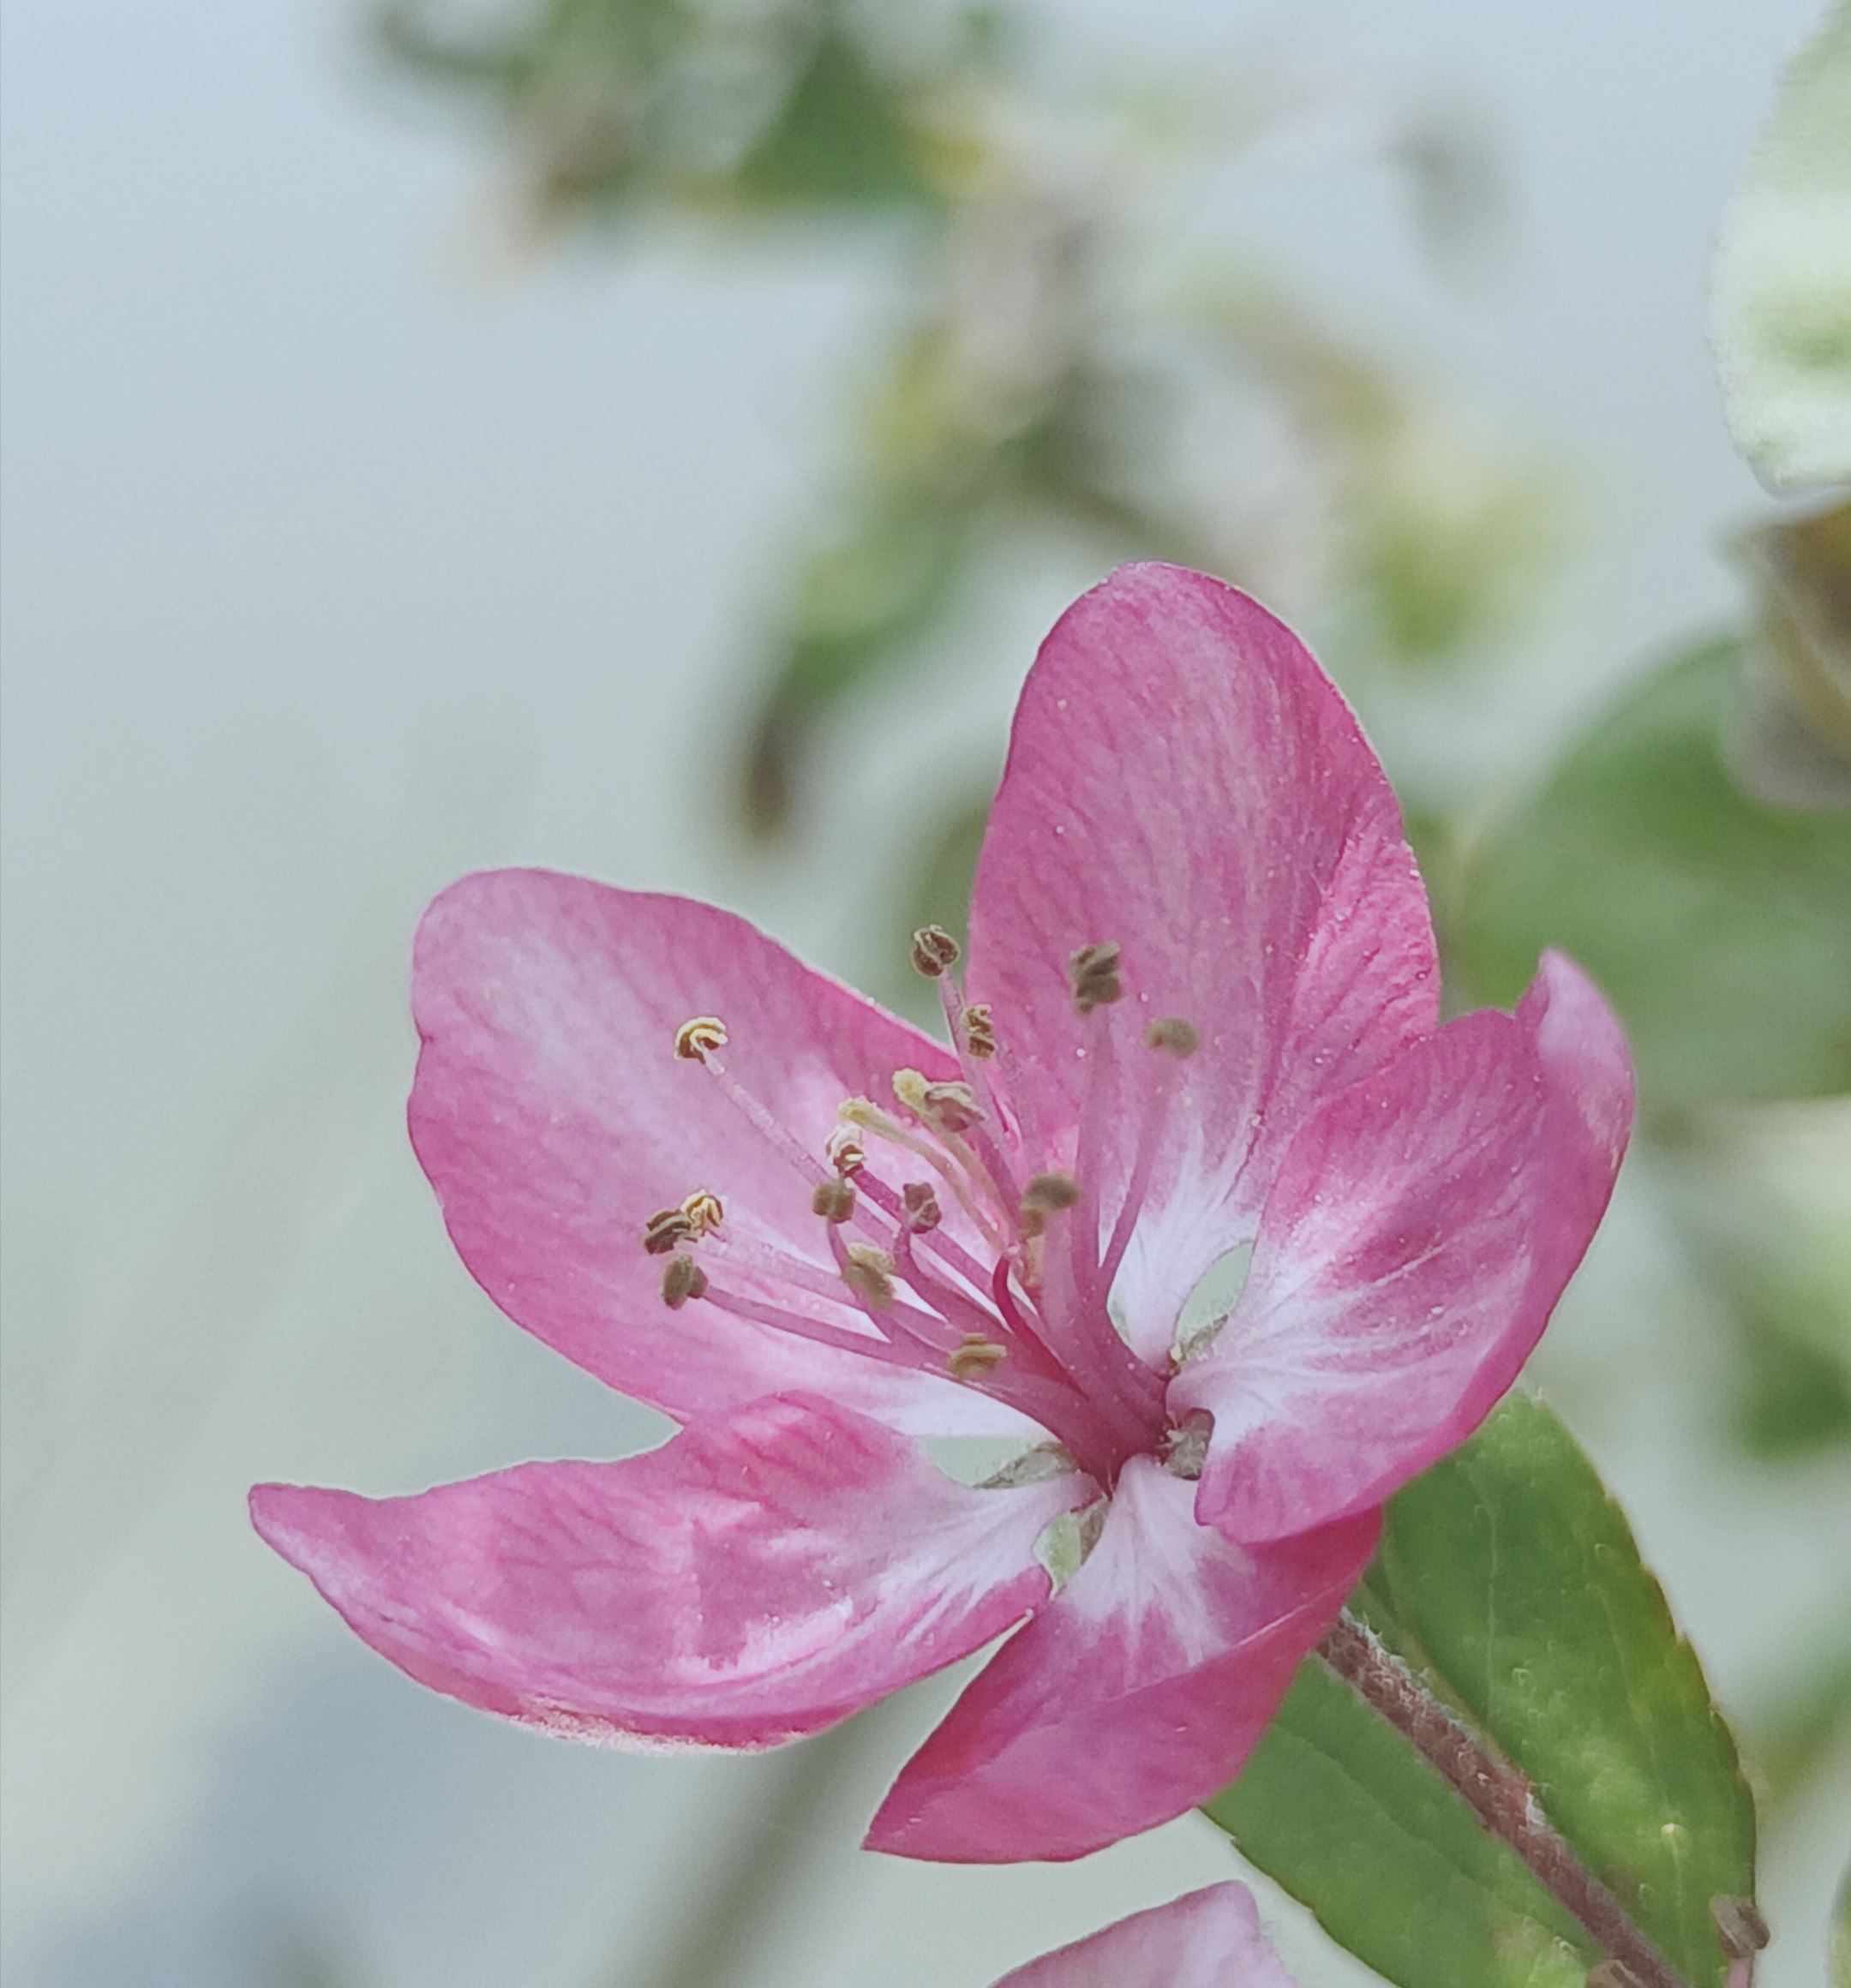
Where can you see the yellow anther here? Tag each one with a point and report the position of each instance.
(921, 1206)
(700, 1038)
(974, 1357)
(980, 1031)
(910, 1087)
(834, 1201)
(869, 1273)
(933, 950)
(845, 1152)
(1094, 978)
(1171, 1033)
(668, 1229)
(684, 1278)
(1046, 1194)
(704, 1212)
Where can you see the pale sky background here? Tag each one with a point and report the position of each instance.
(342, 556)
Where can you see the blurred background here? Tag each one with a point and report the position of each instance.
(649, 439)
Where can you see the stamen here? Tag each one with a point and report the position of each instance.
(921, 1206)
(1094, 978)
(869, 1273)
(846, 1153)
(684, 1278)
(700, 1038)
(1172, 1032)
(949, 1108)
(1047, 1195)
(1165, 1036)
(668, 1229)
(834, 1201)
(933, 950)
(703, 1212)
(977, 1030)
(973, 1357)
(1186, 1445)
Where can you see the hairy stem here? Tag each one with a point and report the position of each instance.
(1499, 1796)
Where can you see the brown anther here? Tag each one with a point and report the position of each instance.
(704, 1213)
(844, 1152)
(668, 1229)
(921, 1206)
(1171, 1033)
(933, 950)
(700, 1037)
(1046, 1194)
(950, 1107)
(980, 1031)
(684, 1278)
(869, 1273)
(1093, 980)
(834, 1201)
(974, 1357)
(1186, 1445)
(1741, 1929)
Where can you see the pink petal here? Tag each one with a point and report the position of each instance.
(555, 1119)
(1205, 1939)
(750, 1582)
(1137, 1694)
(1416, 1240)
(1184, 781)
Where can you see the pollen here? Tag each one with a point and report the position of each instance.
(980, 1031)
(668, 1229)
(933, 950)
(974, 1357)
(1094, 978)
(684, 1278)
(910, 1087)
(704, 1213)
(700, 1038)
(1171, 1033)
(869, 1273)
(834, 1201)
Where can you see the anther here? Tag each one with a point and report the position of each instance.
(1046, 1194)
(1171, 1033)
(667, 1230)
(1186, 1445)
(834, 1201)
(1741, 1929)
(1611, 1974)
(845, 1152)
(910, 1086)
(933, 950)
(921, 1206)
(980, 1031)
(869, 1273)
(700, 1038)
(974, 1357)
(704, 1212)
(950, 1107)
(684, 1278)
(1093, 980)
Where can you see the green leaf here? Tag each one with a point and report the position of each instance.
(1717, 926)
(1782, 298)
(1509, 1581)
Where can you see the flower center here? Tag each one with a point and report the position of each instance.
(954, 1245)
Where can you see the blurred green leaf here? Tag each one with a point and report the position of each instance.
(1792, 1738)
(1719, 927)
(1509, 1581)
(839, 138)
(1782, 298)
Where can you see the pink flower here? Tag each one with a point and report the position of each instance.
(1201, 1017)
(1205, 1939)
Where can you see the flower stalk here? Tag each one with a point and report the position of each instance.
(1498, 1796)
